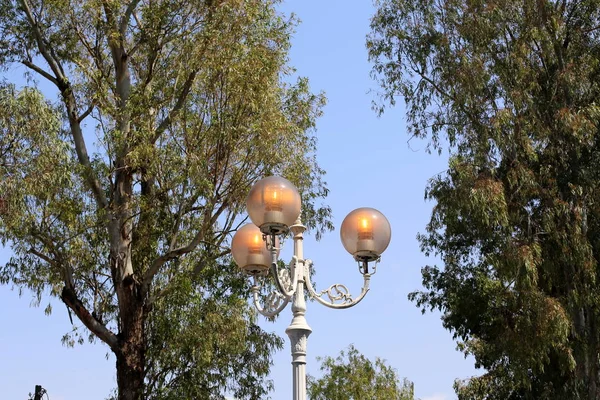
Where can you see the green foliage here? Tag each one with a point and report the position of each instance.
(36, 183)
(120, 194)
(206, 332)
(512, 88)
(352, 376)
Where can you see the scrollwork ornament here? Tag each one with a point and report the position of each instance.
(285, 279)
(337, 294)
(273, 301)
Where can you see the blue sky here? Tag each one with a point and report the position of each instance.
(369, 163)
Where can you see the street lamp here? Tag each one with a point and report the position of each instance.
(274, 207)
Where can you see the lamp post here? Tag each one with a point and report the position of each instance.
(274, 207)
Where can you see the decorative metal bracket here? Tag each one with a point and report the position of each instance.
(338, 294)
(274, 303)
(285, 285)
(363, 267)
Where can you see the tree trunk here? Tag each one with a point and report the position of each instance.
(131, 357)
(130, 373)
(592, 350)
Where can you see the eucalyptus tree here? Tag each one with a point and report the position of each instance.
(120, 186)
(512, 89)
(352, 376)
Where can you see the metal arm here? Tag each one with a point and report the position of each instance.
(282, 277)
(338, 294)
(275, 301)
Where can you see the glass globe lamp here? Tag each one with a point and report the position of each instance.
(273, 205)
(250, 251)
(365, 234)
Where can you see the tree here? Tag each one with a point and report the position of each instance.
(352, 376)
(512, 89)
(189, 102)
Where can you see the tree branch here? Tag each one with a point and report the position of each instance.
(43, 256)
(40, 71)
(52, 62)
(180, 251)
(81, 149)
(125, 19)
(69, 99)
(187, 87)
(171, 255)
(69, 297)
(86, 112)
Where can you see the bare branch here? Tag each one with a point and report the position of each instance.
(43, 256)
(86, 112)
(125, 19)
(208, 220)
(40, 71)
(191, 246)
(69, 297)
(52, 62)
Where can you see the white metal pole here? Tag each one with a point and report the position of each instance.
(298, 331)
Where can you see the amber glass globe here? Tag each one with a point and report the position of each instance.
(273, 205)
(365, 233)
(250, 251)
